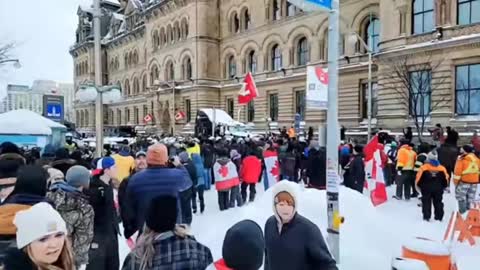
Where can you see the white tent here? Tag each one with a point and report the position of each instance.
(220, 117)
(25, 122)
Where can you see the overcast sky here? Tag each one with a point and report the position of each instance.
(43, 30)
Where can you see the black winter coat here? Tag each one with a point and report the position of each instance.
(127, 213)
(316, 168)
(354, 176)
(16, 259)
(298, 246)
(101, 199)
(192, 171)
(208, 155)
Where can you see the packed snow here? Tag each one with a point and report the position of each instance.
(371, 238)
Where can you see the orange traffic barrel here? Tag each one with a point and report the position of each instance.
(408, 264)
(435, 254)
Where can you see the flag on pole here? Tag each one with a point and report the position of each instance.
(179, 115)
(147, 118)
(312, 5)
(374, 165)
(248, 92)
(272, 168)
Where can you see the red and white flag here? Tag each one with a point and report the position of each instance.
(272, 166)
(179, 115)
(374, 165)
(248, 92)
(147, 118)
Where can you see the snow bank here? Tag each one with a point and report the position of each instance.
(426, 246)
(26, 122)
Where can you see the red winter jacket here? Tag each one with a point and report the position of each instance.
(219, 265)
(250, 170)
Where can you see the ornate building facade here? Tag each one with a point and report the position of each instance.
(170, 55)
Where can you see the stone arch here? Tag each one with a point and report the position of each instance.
(136, 85)
(183, 53)
(177, 34)
(274, 37)
(169, 33)
(167, 58)
(249, 45)
(362, 14)
(298, 31)
(135, 56)
(162, 37)
(169, 68)
(185, 27)
(144, 84)
(233, 21)
(245, 17)
(155, 39)
(126, 85)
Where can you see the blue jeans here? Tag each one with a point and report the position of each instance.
(207, 175)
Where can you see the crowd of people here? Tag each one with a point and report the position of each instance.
(64, 210)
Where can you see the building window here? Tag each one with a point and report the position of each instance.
(154, 74)
(251, 112)
(276, 10)
(187, 69)
(364, 100)
(127, 87)
(252, 62)
(127, 116)
(373, 31)
(162, 39)
(235, 23)
(291, 11)
(421, 93)
(119, 117)
(170, 72)
(246, 20)
(230, 107)
(276, 56)
(145, 110)
(302, 52)
(232, 67)
(184, 28)
(136, 115)
(273, 106)
(300, 103)
(468, 11)
(467, 90)
(144, 83)
(423, 17)
(188, 110)
(136, 86)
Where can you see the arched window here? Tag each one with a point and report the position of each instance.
(162, 37)
(119, 117)
(127, 87)
(155, 39)
(170, 72)
(178, 35)
(373, 32)
(170, 38)
(136, 86)
(187, 69)
(127, 116)
(125, 60)
(135, 57)
(276, 11)
(302, 52)
(117, 64)
(82, 119)
(184, 28)
(276, 58)
(154, 74)
(86, 67)
(252, 62)
(231, 67)
(246, 20)
(144, 83)
(86, 118)
(235, 23)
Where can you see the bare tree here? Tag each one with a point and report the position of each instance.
(413, 83)
(5, 50)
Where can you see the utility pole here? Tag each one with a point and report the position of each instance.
(97, 13)
(369, 105)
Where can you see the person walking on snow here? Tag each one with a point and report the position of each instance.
(186, 195)
(292, 241)
(354, 176)
(74, 208)
(165, 245)
(249, 174)
(200, 186)
(432, 179)
(226, 177)
(242, 249)
(235, 195)
(406, 175)
(466, 178)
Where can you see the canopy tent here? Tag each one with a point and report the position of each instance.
(220, 117)
(25, 122)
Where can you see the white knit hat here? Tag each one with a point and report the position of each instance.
(36, 222)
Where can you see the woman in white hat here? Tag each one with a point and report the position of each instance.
(42, 243)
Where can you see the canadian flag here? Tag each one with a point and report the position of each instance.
(272, 167)
(147, 118)
(248, 91)
(179, 115)
(374, 164)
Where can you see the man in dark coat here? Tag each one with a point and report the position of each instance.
(354, 176)
(292, 241)
(316, 166)
(208, 155)
(186, 196)
(104, 248)
(452, 136)
(447, 155)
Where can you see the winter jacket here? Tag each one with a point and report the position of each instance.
(316, 168)
(125, 165)
(236, 159)
(432, 177)
(354, 176)
(193, 150)
(100, 197)
(250, 170)
(16, 259)
(406, 158)
(127, 213)
(225, 173)
(467, 169)
(288, 164)
(27, 199)
(74, 208)
(219, 265)
(199, 168)
(192, 171)
(447, 155)
(452, 137)
(298, 245)
(153, 182)
(173, 252)
(208, 155)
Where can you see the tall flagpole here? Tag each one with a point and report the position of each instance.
(98, 79)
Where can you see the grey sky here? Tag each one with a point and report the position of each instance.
(44, 30)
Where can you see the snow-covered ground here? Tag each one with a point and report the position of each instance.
(370, 237)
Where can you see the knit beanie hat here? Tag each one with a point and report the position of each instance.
(183, 156)
(38, 221)
(467, 148)
(78, 176)
(107, 163)
(157, 154)
(162, 214)
(285, 197)
(432, 156)
(243, 246)
(31, 180)
(55, 175)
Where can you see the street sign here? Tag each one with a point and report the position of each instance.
(53, 107)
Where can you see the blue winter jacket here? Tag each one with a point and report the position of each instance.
(198, 162)
(153, 182)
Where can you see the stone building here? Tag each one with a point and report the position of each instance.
(170, 55)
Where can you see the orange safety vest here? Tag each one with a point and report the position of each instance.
(406, 158)
(467, 169)
(291, 133)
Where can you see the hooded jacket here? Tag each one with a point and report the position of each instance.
(432, 177)
(75, 209)
(354, 176)
(467, 169)
(250, 170)
(316, 168)
(16, 259)
(299, 244)
(199, 168)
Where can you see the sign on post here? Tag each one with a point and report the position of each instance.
(317, 88)
(53, 107)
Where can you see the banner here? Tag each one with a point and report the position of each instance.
(317, 88)
(375, 181)
(272, 168)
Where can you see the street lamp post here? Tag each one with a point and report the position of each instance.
(98, 78)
